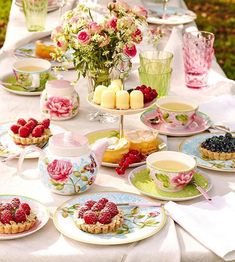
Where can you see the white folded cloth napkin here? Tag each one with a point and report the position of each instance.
(221, 110)
(211, 223)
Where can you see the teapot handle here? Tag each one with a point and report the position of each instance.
(27, 150)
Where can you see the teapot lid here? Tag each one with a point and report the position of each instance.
(68, 144)
(59, 87)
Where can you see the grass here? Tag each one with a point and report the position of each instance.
(217, 16)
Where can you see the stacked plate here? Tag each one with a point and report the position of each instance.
(52, 5)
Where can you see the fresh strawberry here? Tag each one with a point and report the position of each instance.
(82, 210)
(90, 203)
(97, 207)
(6, 217)
(46, 123)
(24, 131)
(90, 217)
(112, 208)
(37, 131)
(26, 208)
(34, 120)
(6, 206)
(21, 122)
(15, 129)
(20, 216)
(103, 201)
(15, 202)
(105, 217)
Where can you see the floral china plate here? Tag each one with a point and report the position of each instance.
(141, 180)
(191, 145)
(139, 222)
(40, 211)
(201, 123)
(94, 136)
(9, 148)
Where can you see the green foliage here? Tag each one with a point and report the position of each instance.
(4, 14)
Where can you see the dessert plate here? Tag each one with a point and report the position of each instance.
(174, 15)
(12, 86)
(121, 111)
(140, 223)
(39, 209)
(9, 148)
(51, 7)
(202, 122)
(140, 179)
(191, 145)
(93, 136)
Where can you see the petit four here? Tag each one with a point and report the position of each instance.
(108, 99)
(122, 99)
(98, 93)
(136, 99)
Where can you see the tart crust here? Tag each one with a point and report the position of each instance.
(216, 155)
(14, 228)
(98, 228)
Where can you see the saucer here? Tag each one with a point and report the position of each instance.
(201, 123)
(140, 179)
(51, 7)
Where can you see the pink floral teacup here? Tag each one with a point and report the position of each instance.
(176, 112)
(171, 171)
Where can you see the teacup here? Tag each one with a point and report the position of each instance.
(32, 73)
(171, 171)
(176, 112)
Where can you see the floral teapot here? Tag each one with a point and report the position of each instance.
(68, 166)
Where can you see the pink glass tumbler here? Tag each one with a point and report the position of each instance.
(198, 53)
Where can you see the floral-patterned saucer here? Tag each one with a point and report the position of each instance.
(40, 211)
(139, 223)
(9, 148)
(201, 123)
(191, 145)
(141, 180)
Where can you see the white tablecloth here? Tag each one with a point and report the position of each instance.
(48, 244)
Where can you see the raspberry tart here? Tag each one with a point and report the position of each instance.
(219, 147)
(31, 132)
(16, 217)
(99, 217)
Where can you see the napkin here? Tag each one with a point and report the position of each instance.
(211, 223)
(221, 110)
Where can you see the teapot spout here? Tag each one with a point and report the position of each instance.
(99, 148)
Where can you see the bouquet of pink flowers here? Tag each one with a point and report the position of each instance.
(97, 46)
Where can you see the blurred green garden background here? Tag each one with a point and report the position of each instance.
(217, 16)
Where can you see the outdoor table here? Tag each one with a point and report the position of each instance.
(172, 243)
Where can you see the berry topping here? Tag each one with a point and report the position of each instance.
(20, 216)
(15, 202)
(26, 208)
(34, 120)
(97, 207)
(112, 208)
(15, 129)
(6, 217)
(46, 123)
(149, 93)
(105, 217)
(90, 217)
(103, 201)
(21, 122)
(24, 131)
(82, 210)
(38, 131)
(31, 124)
(90, 203)
(6, 206)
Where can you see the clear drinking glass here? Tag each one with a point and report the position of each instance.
(198, 53)
(35, 14)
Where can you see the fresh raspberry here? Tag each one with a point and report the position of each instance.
(105, 217)
(26, 208)
(34, 120)
(30, 124)
(97, 207)
(6, 217)
(46, 123)
(15, 129)
(120, 171)
(21, 122)
(6, 206)
(90, 217)
(103, 200)
(112, 208)
(82, 210)
(20, 216)
(15, 202)
(133, 152)
(90, 203)
(37, 131)
(24, 131)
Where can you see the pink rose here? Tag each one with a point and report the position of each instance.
(112, 23)
(154, 214)
(60, 107)
(182, 179)
(137, 36)
(122, 5)
(105, 41)
(84, 37)
(95, 28)
(140, 11)
(129, 50)
(59, 170)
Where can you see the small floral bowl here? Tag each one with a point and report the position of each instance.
(173, 118)
(166, 179)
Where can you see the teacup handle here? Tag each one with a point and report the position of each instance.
(26, 151)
